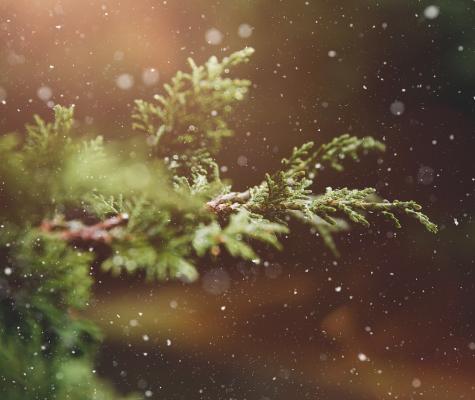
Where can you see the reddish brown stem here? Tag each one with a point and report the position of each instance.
(75, 230)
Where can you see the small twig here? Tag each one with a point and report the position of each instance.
(228, 202)
(75, 230)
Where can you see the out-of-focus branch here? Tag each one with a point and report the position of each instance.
(76, 230)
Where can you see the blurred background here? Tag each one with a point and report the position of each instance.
(393, 318)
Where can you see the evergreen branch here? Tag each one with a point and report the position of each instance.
(287, 193)
(346, 146)
(197, 174)
(354, 203)
(323, 228)
(156, 216)
(41, 135)
(330, 154)
(242, 226)
(193, 112)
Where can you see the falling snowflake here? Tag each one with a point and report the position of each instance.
(245, 30)
(397, 108)
(125, 81)
(362, 357)
(431, 12)
(150, 76)
(44, 93)
(213, 36)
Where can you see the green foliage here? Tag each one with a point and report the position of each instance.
(193, 113)
(33, 170)
(346, 146)
(331, 154)
(43, 137)
(198, 174)
(279, 194)
(243, 225)
(43, 280)
(354, 203)
(63, 194)
(159, 261)
(287, 193)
